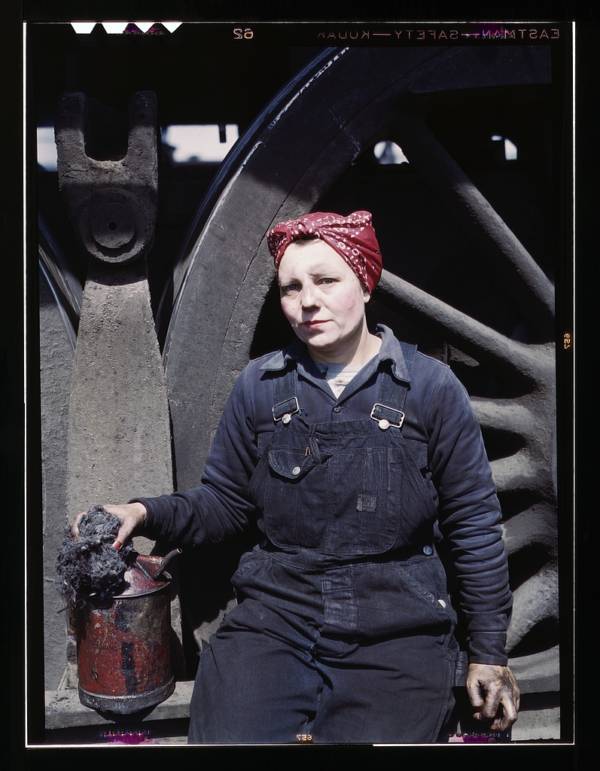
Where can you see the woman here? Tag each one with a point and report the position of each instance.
(347, 446)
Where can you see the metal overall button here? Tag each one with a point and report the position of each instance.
(387, 416)
(290, 463)
(283, 411)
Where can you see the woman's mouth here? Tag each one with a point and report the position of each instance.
(310, 324)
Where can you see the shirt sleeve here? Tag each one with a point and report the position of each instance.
(469, 519)
(220, 506)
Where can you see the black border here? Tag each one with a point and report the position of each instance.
(289, 10)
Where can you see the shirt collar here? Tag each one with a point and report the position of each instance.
(390, 350)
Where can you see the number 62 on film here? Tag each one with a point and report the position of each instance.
(243, 34)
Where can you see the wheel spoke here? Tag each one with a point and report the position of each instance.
(518, 473)
(503, 415)
(532, 527)
(535, 601)
(534, 291)
(460, 329)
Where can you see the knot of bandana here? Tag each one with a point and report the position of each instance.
(353, 238)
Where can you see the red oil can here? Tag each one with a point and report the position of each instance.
(123, 645)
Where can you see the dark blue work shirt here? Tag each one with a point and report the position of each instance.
(445, 441)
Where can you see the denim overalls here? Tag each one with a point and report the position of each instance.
(344, 630)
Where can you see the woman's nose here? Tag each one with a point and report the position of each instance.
(308, 297)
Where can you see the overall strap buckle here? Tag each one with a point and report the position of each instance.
(387, 416)
(283, 411)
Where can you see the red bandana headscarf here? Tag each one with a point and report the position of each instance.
(353, 238)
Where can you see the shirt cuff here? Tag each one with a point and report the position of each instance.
(487, 648)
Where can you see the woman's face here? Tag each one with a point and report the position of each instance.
(321, 297)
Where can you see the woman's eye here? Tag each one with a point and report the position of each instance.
(327, 280)
(288, 288)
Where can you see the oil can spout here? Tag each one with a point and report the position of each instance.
(153, 566)
(167, 558)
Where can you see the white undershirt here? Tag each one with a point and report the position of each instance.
(338, 375)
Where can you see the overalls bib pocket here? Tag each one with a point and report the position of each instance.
(292, 464)
(360, 521)
(295, 509)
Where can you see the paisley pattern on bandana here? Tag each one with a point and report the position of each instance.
(353, 238)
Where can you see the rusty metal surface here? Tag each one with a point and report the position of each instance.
(139, 584)
(126, 705)
(119, 436)
(124, 649)
(57, 343)
(118, 433)
(112, 203)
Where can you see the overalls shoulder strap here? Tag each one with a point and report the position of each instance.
(285, 395)
(388, 410)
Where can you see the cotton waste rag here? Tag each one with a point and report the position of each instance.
(89, 565)
(353, 238)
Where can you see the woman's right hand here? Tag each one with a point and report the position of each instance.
(132, 516)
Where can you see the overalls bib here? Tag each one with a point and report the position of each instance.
(344, 489)
(347, 574)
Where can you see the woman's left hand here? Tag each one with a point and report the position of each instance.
(494, 694)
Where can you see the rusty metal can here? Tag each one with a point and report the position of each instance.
(124, 645)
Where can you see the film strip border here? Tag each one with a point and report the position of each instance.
(127, 27)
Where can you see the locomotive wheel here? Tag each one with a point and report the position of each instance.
(288, 164)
